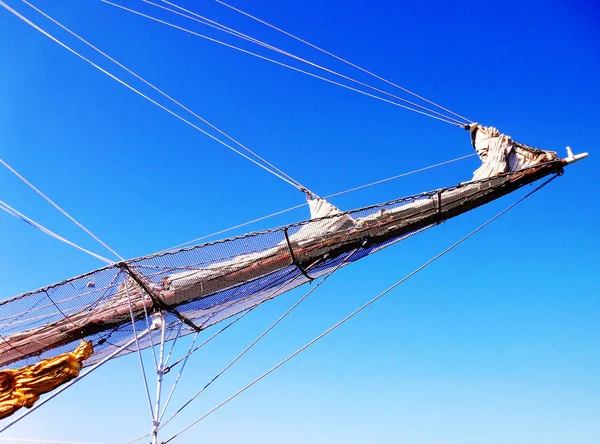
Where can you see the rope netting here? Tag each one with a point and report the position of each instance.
(206, 284)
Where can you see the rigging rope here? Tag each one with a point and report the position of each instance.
(279, 63)
(398, 176)
(157, 422)
(264, 333)
(177, 336)
(363, 307)
(295, 207)
(167, 96)
(59, 208)
(114, 77)
(341, 59)
(137, 343)
(216, 25)
(13, 212)
(160, 416)
(195, 349)
(184, 359)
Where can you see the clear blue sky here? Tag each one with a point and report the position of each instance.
(495, 343)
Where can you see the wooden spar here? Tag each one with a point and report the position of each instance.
(374, 230)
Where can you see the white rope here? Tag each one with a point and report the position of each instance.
(184, 359)
(264, 333)
(212, 337)
(295, 207)
(137, 344)
(189, 353)
(216, 25)
(148, 324)
(363, 307)
(284, 284)
(159, 382)
(343, 60)
(36, 27)
(24, 218)
(276, 62)
(177, 336)
(13, 212)
(167, 96)
(398, 176)
(59, 208)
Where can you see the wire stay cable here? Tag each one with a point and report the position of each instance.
(198, 347)
(190, 352)
(216, 25)
(167, 96)
(128, 86)
(137, 343)
(185, 359)
(339, 193)
(172, 348)
(277, 62)
(342, 60)
(363, 307)
(264, 333)
(398, 176)
(13, 212)
(23, 179)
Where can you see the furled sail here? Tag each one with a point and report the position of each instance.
(199, 286)
(500, 154)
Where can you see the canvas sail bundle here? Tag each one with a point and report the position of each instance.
(500, 154)
(200, 286)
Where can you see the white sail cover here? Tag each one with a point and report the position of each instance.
(320, 208)
(499, 154)
(203, 285)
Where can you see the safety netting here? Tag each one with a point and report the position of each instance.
(200, 286)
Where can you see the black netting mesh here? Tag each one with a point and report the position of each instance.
(205, 284)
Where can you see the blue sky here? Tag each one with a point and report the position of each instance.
(496, 342)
